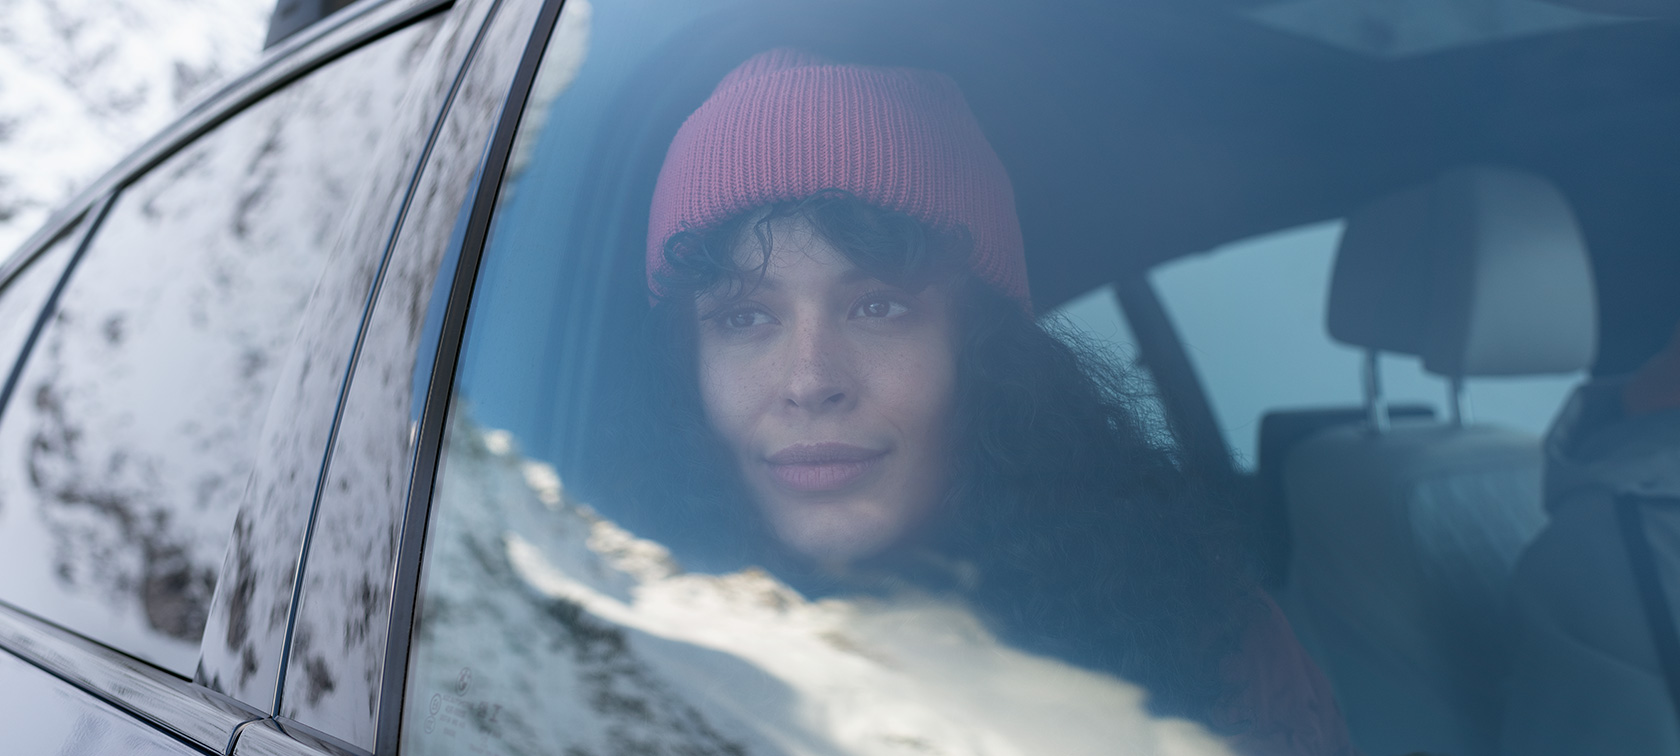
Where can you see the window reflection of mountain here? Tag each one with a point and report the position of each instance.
(139, 409)
(576, 632)
(147, 387)
(110, 534)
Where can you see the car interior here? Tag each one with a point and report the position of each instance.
(1505, 211)
(1404, 532)
(1359, 258)
(1356, 255)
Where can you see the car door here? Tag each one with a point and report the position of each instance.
(152, 324)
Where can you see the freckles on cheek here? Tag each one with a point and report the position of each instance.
(727, 391)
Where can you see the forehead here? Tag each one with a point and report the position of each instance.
(797, 254)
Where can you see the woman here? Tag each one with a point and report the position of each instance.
(842, 355)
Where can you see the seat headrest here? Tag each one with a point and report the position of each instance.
(1379, 289)
(1481, 272)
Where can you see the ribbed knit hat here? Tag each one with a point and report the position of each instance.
(787, 124)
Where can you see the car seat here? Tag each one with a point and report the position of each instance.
(1597, 588)
(1281, 430)
(1405, 532)
(1585, 675)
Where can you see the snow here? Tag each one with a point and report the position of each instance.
(122, 475)
(547, 628)
(84, 81)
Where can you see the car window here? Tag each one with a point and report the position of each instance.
(1095, 320)
(792, 412)
(128, 442)
(22, 297)
(565, 606)
(1252, 317)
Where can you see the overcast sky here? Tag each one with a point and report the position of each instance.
(84, 81)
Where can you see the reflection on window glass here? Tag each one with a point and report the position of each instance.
(22, 297)
(127, 447)
(765, 453)
(1251, 315)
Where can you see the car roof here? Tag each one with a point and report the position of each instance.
(1199, 127)
(1169, 127)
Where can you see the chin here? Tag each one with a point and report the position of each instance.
(832, 533)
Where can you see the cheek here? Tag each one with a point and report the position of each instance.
(728, 394)
(918, 387)
(928, 391)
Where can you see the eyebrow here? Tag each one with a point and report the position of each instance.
(857, 274)
(852, 276)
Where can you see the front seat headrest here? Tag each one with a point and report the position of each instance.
(1481, 272)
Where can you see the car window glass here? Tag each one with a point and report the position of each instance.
(1097, 321)
(1251, 315)
(22, 297)
(759, 441)
(128, 448)
(561, 608)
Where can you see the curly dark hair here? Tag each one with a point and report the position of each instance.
(1091, 542)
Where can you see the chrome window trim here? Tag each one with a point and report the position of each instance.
(336, 36)
(43, 238)
(12, 371)
(280, 737)
(192, 712)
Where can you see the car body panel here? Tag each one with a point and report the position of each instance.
(344, 601)
(278, 737)
(43, 714)
(191, 711)
(243, 649)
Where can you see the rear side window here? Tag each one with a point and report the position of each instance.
(1095, 322)
(1252, 317)
(126, 446)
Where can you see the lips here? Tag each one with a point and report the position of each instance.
(816, 468)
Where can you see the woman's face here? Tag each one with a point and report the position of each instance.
(833, 392)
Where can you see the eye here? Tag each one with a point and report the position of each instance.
(879, 306)
(742, 318)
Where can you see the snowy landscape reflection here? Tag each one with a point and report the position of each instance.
(132, 437)
(546, 625)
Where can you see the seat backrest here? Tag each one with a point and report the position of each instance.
(1280, 432)
(1404, 537)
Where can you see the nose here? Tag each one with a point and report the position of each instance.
(819, 371)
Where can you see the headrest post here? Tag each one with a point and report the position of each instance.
(1376, 408)
(1455, 400)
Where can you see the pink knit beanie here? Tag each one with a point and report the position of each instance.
(787, 124)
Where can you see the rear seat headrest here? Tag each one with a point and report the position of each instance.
(1481, 272)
